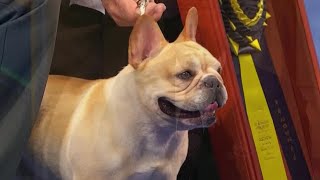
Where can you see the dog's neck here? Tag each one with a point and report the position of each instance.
(141, 129)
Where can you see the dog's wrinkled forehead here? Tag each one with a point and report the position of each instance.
(189, 53)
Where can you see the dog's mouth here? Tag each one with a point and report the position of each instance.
(170, 109)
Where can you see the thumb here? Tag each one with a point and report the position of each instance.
(155, 10)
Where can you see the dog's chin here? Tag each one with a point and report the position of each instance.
(187, 120)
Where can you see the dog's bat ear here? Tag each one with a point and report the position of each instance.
(146, 40)
(190, 27)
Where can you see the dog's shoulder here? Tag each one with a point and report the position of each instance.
(59, 84)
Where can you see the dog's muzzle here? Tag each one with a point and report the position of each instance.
(214, 89)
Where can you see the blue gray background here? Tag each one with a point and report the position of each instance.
(313, 13)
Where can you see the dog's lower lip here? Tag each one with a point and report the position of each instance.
(168, 108)
(211, 107)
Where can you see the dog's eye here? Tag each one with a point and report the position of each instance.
(185, 75)
(219, 70)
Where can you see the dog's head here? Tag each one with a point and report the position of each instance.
(179, 82)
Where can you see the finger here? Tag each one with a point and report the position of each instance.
(157, 11)
(131, 8)
(123, 12)
(154, 8)
(129, 12)
(150, 8)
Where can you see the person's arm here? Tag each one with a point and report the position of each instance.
(126, 12)
(123, 12)
(93, 4)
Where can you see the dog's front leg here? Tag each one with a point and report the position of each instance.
(157, 174)
(91, 177)
(164, 174)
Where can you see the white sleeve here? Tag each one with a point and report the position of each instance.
(93, 4)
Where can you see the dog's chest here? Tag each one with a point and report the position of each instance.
(152, 174)
(155, 168)
(161, 162)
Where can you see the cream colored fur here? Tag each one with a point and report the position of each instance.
(113, 129)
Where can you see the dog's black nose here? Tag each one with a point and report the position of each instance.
(211, 82)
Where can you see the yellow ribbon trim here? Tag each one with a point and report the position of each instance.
(234, 46)
(255, 44)
(232, 25)
(268, 15)
(243, 17)
(260, 120)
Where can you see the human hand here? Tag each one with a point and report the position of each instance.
(126, 12)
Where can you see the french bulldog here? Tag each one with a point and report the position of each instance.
(133, 126)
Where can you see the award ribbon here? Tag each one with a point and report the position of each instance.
(260, 120)
(281, 116)
(266, 107)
